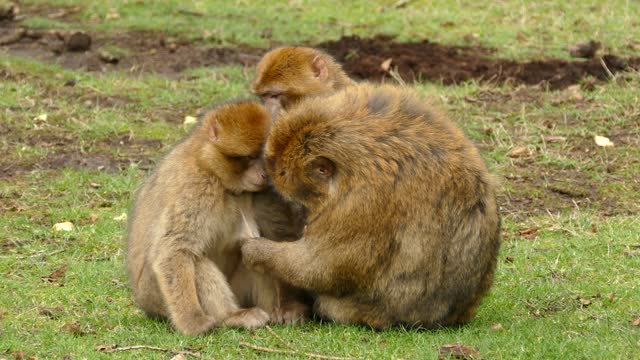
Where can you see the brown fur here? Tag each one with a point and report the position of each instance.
(286, 75)
(403, 226)
(183, 237)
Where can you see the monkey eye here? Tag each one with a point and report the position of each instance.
(244, 157)
(272, 96)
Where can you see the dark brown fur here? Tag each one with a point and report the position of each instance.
(403, 226)
(183, 238)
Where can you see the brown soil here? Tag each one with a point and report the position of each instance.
(64, 151)
(428, 61)
(362, 58)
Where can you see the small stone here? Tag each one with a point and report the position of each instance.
(78, 41)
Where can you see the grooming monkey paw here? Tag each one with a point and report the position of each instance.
(293, 313)
(251, 318)
(253, 251)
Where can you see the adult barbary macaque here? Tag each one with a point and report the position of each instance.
(189, 216)
(287, 75)
(403, 226)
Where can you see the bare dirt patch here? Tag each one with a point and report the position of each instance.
(65, 151)
(428, 61)
(362, 58)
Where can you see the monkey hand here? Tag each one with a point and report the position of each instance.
(290, 314)
(253, 252)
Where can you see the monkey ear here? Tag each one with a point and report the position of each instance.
(320, 70)
(323, 167)
(213, 131)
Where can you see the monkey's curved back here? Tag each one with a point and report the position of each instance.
(386, 133)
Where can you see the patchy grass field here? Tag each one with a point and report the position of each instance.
(77, 137)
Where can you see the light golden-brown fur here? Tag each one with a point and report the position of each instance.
(403, 226)
(287, 75)
(183, 237)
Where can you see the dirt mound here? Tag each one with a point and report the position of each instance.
(428, 61)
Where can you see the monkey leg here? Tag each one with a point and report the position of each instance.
(175, 272)
(147, 294)
(348, 311)
(269, 294)
(218, 299)
(292, 262)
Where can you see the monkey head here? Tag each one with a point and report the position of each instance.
(299, 158)
(286, 75)
(234, 136)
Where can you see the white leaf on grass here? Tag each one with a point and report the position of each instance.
(63, 226)
(602, 141)
(41, 117)
(121, 217)
(188, 121)
(386, 65)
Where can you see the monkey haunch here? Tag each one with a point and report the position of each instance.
(183, 241)
(403, 226)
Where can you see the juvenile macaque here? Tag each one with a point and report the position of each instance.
(189, 217)
(286, 75)
(403, 227)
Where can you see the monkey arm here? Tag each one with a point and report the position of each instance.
(293, 262)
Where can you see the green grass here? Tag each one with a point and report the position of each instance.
(516, 28)
(120, 124)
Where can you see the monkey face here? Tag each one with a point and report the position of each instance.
(254, 177)
(307, 181)
(276, 100)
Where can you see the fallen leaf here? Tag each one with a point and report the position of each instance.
(458, 351)
(112, 15)
(584, 302)
(570, 94)
(67, 357)
(401, 3)
(509, 260)
(631, 253)
(636, 322)
(117, 282)
(602, 141)
(497, 327)
(95, 185)
(554, 139)
(528, 233)
(612, 297)
(41, 117)
(121, 217)
(189, 120)
(93, 218)
(63, 226)
(519, 152)
(179, 356)
(51, 313)
(386, 65)
(73, 327)
(56, 275)
(18, 354)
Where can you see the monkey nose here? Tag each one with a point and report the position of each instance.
(263, 175)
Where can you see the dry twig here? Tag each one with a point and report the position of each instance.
(293, 352)
(116, 348)
(283, 341)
